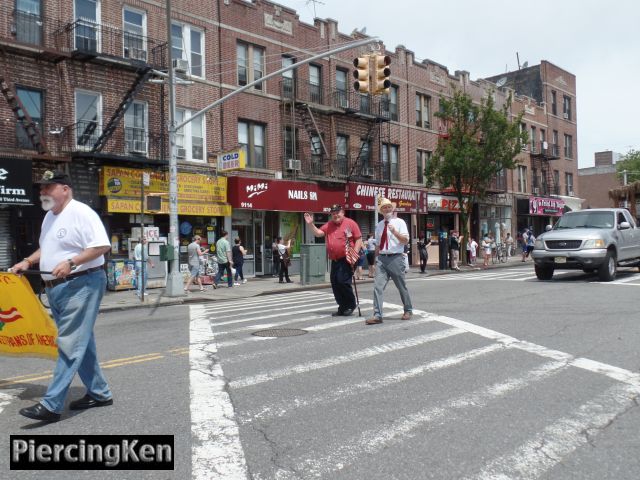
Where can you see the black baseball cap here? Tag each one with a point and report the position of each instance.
(50, 177)
(336, 207)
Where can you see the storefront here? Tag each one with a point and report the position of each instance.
(494, 214)
(16, 193)
(443, 216)
(361, 205)
(264, 209)
(538, 212)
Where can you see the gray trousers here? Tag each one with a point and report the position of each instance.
(389, 267)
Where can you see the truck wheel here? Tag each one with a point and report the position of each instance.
(544, 273)
(607, 271)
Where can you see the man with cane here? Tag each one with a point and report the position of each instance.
(339, 231)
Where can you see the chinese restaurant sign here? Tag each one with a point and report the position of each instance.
(362, 196)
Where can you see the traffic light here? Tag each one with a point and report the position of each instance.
(383, 72)
(361, 74)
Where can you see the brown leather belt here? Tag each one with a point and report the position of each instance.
(58, 281)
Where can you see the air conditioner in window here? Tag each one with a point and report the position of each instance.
(180, 65)
(571, 194)
(565, 116)
(181, 152)
(367, 172)
(293, 164)
(536, 191)
(137, 146)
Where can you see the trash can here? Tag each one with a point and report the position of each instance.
(313, 263)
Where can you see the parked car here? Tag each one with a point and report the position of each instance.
(601, 239)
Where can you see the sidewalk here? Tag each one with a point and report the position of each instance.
(127, 299)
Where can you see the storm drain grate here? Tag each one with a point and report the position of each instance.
(279, 332)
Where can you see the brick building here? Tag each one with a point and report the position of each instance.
(90, 74)
(595, 182)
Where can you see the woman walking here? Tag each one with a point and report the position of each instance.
(371, 254)
(237, 253)
(285, 261)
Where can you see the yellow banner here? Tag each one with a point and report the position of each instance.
(118, 205)
(26, 328)
(195, 187)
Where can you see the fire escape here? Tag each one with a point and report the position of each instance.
(545, 180)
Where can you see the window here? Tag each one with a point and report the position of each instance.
(556, 146)
(190, 139)
(187, 43)
(28, 22)
(250, 64)
(251, 137)
(32, 101)
(532, 139)
(554, 103)
(342, 100)
(288, 77)
(568, 180)
(87, 17)
(317, 163)
(134, 36)
(422, 111)
(363, 158)
(566, 107)
(543, 138)
(135, 128)
(290, 144)
(568, 146)
(535, 184)
(342, 154)
(423, 158)
(315, 83)
(522, 179)
(556, 182)
(88, 118)
(393, 103)
(390, 169)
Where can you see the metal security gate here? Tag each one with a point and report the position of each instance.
(5, 240)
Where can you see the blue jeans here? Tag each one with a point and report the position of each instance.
(74, 305)
(222, 267)
(139, 277)
(239, 272)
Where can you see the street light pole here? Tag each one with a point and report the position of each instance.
(174, 280)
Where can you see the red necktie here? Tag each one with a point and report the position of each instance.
(384, 241)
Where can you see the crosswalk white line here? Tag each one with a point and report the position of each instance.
(340, 393)
(249, 304)
(631, 278)
(374, 440)
(279, 308)
(273, 315)
(216, 451)
(8, 396)
(342, 359)
(548, 448)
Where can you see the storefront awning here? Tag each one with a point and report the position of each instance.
(573, 203)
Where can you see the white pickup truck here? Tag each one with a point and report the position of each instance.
(601, 239)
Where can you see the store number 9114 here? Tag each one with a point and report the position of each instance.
(246, 205)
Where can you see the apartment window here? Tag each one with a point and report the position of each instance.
(342, 154)
(543, 138)
(522, 178)
(135, 128)
(532, 139)
(251, 137)
(190, 139)
(535, 184)
(88, 118)
(28, 22)
(422, 111)
(390, 167)
(363, 158)
(342, 100)
(568, 146)
(87, 21)
(315, 83)
(317, 162)
(422, 160)
(134, 36)
(187, 43)
(393, 103)
(32, 100)
(288, 77)
(290, 144)
(556, 182)
(568, 180)
(250, 64)
(556, 144)
(554, 103)
(566, 107)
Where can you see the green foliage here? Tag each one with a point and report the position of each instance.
(631, 163)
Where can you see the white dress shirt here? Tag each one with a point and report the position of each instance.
(393, 243)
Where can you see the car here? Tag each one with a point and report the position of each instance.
(598, 239)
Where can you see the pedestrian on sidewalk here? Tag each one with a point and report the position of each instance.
(194, 252)
(486, 250)
(137, 257)
(422, 251)
(237, 254)
(454, 245)
(275, 258)
(508, 240)
(473, 250)
(336, 231)
(285, 259)
(73, 242)
(371, 254)
(224, 259)
(391, 237)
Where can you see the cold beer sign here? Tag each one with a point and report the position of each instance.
(234, 160)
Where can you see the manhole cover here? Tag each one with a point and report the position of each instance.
(279, 332)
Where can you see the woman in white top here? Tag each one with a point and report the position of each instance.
(371, 254)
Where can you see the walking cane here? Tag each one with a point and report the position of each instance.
(355, 288)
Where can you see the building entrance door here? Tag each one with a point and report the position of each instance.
(258, 244)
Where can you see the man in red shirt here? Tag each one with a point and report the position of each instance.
(336, 231)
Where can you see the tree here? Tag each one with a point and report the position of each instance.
(631, 163)
(480, 142)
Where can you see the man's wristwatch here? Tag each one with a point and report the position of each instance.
(71, 263)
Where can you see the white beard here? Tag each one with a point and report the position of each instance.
(46, 202)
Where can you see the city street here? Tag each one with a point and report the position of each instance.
(497, 375)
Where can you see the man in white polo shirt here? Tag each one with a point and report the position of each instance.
(391, 237)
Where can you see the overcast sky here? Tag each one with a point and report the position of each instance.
(596, 40)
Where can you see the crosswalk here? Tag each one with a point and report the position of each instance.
(347, 400)
(629, 277)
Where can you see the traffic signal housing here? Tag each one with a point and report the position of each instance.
(361, 74)
(383, 72)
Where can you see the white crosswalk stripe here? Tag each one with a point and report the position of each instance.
(341, 364)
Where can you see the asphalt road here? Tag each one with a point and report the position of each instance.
(497, 376)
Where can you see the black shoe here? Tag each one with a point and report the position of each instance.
(339, 313)
(89, 402)
(40, 412)
(281, 281)
(347, 312)
(289, 281)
